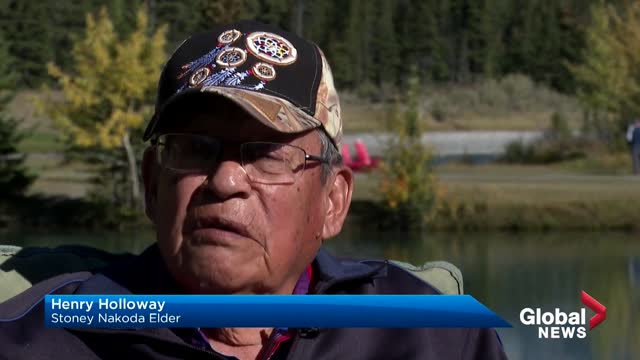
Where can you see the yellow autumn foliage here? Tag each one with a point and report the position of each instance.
(109, 89)
(408, 186)
(608, 78)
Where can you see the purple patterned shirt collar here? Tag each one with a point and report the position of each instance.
(199, 339)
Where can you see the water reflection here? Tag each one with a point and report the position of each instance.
(134, 242)
(506, 272)
(510, 272)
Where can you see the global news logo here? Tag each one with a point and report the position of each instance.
(562, 325)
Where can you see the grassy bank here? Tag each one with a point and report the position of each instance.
(488, 197)
(514, 198)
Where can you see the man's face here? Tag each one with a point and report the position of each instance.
(222, 233)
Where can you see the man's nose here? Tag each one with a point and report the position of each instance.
(228, 180)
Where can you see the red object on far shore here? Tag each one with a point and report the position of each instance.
(346, 155)
(363, 161)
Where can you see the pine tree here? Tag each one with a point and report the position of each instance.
(520, 38)
(14, 177)
(386, 52)
(367, 45)
(570, 21)
(422, 35)
(121, 14)
(276, 12)
(354, 74)
(360, 45)
(318, 22)
(408, 183)
(487, 36)
(461, 12)
(538, 41)
(184, 18)
(67, 20)
(547, 37)
(26, 25)
(218, 12)
(368, 42)
(337, 49)
(297, 17)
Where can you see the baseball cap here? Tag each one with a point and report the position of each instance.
(280, 79)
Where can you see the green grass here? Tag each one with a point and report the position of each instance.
(41, 136)
(55, 176)
(41, 142)
(617, 163)
(488, 197)
(501, 197)
(519, 184)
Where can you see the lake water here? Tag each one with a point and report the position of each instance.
(506, 272)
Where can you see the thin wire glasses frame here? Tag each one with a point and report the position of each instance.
(263, 162)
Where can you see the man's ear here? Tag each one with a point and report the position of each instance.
(339, 198)
(150, 172)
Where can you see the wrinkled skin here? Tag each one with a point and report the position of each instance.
(222, 233)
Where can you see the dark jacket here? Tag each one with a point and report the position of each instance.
(23, 336)
(635, 137)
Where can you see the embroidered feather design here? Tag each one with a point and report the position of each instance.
(207, 59)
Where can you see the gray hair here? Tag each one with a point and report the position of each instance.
(331, 153)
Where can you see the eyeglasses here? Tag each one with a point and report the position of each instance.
(263, 162)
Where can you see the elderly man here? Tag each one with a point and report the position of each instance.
(243, 182)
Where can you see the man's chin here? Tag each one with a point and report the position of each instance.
(219, 270)
(222, 254)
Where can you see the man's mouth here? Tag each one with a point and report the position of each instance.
(216, 225)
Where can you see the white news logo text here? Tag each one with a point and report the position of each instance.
(557, 324)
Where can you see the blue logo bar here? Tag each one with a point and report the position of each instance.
(295, 311)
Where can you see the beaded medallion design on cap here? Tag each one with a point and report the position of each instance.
(270, 49)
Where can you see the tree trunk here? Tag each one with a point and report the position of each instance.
(298, 18)
(133, 170)
(463, 59)
(152, 15)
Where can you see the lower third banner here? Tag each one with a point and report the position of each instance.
(296, 311)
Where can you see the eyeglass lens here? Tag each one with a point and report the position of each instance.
(264, 162)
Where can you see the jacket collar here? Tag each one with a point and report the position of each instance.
(333, 271)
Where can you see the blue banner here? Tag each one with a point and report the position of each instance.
(295, 311)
